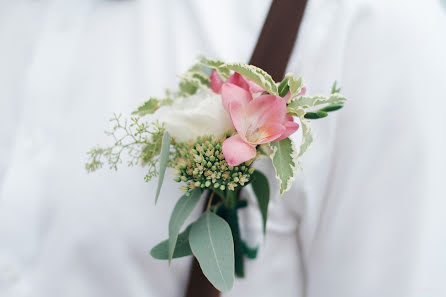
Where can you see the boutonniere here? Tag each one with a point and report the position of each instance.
(222, 118)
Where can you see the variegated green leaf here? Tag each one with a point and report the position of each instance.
(295, 85)
(284, 157)
(304, 102)
(215, 64)
(255, 74)
(307, 136)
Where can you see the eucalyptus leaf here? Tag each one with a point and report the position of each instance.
(164, 158)
(180, 213)
(284, 157)
(260, 186)
(212, 244)
(182, 248)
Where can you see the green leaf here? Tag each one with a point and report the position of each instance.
(307, 136)
(283, 87)
(230, 199)
(315, 115)
(284, 157)
(295, 85)
(334, 88)
(151, 105)
(255, 74)
(298, 105)
(182, 248)
(260, 186)
(164, 158)
(188, 86)
(217, 65)
(180, 213)
(331, 108)
(211, 242)
(148, 107)
(251, 253)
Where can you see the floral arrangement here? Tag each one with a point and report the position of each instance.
(223, 117)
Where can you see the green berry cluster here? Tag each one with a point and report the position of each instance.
(202, 164)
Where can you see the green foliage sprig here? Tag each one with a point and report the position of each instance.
(139, 140)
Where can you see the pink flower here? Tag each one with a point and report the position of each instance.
(236, 79)
(257, 121)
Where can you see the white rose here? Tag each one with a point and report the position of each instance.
(197, 115)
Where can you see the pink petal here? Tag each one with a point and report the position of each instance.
(237, 151)
(238, 80)
(261, 120)
(269, 132)
(267, 109)
(237, 113)
(290, 128)
(245, 83)
(232, 93)
(253, 87)
(216, 82)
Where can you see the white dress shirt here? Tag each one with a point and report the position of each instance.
(365, 217)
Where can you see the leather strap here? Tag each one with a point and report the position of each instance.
(272, 52)
(279, 33)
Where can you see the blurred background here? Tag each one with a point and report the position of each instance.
(372, 191)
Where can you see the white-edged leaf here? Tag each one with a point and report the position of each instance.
(298, 105)
(212, 244)
(284, 157)
(164, 159)
(255, 74)
(260, 185)
(182, 248)
(295, 85)
(307, 136)
(215, 64)
(180, 213)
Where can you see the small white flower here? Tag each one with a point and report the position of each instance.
(197, 115)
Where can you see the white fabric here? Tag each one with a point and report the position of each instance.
(365, 218)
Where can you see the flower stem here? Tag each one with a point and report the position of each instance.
(210, 200)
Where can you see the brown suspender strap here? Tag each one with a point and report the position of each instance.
(279, 33)
(272, 52)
